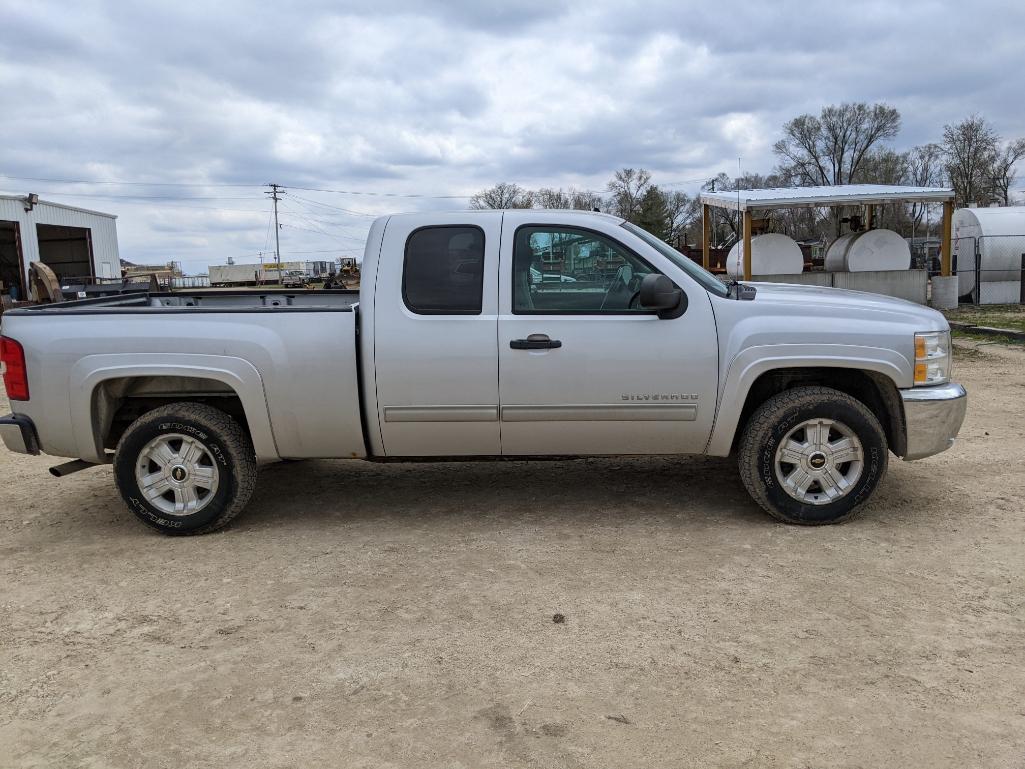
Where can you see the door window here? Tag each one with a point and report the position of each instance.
(443, 271)
(570, 270)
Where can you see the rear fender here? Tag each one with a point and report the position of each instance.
(238, 374)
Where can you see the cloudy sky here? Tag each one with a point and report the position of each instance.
(424, 102)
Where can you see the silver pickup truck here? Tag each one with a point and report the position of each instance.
(505, 334)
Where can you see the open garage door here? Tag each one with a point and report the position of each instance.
(66, 250)
(12, 269)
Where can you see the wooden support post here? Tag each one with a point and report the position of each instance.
(706, 236)
(747, 244)
(868, 217)
(946, 256)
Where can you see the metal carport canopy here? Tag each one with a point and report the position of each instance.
(837, 195)
(747, 201)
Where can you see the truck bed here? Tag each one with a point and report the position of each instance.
(290, 357)
(205, 300)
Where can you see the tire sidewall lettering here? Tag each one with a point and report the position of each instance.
(124, 470)
(874, 462)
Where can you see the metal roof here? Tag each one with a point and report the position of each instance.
(837, 195)
(41, 202)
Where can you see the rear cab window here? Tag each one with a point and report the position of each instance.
(443, 270)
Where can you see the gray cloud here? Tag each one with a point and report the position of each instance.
(447, 97)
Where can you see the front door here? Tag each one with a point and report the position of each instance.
(583, 369)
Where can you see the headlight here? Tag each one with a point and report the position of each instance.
(932, 358)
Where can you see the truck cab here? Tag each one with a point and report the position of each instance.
(474, 356)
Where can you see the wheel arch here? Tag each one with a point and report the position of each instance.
(872, 380)
(105, 393)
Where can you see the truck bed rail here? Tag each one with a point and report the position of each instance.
(205, 300)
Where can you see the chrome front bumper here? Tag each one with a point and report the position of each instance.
(933, 415)
(19, 434)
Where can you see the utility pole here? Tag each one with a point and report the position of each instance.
(275, 194)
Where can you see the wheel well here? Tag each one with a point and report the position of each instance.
(876, 391)
(119, 402)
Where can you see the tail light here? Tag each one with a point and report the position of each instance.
(12, 363)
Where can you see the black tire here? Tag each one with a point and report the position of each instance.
(781, 414)
(226, 445)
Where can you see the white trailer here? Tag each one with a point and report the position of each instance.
(237, 275)
(290, 273)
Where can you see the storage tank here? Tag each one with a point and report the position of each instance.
(771, 254)
(999, 234)
(868, 251)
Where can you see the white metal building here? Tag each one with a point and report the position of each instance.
(74, 242)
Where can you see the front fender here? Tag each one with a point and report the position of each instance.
(91, 371)
(752, 362)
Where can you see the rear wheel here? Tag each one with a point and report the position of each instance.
(186, 468)
(812, 455)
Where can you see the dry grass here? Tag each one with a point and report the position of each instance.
(1009, 316)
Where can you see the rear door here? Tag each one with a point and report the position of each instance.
(584, 370)
(436, 325)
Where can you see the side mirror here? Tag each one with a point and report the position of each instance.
(659, 293)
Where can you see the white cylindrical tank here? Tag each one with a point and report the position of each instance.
(836, 253)
(771, 254)
(999, 234)
(868, 251)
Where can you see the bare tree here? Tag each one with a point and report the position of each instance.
(502, 195)
(682, 211)
(832, 148)
(885, 166)
(585, 200)
(580, 200)
(924, 169)
(628, 187)
(970, 150)
(548, 197)
(1002, 175)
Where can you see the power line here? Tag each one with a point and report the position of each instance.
(384, 194)
(306, 229)
(334, 208)
(222, 184)
(148, 184)
(311, 216)
(173, 205)
(308, 221)
(144, 197)
(367, 193)
(322, 232)
(317, 229)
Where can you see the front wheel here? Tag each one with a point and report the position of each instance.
(186, 468)
(812, 455)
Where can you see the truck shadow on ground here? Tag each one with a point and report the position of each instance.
(689, 489)
(669, 491)
(685, 490)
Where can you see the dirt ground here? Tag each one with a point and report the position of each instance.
(363, 615)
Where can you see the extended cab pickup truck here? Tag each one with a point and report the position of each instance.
(526, 334)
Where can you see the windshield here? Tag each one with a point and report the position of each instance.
(689, 266)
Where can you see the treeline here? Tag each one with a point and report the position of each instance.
(630, 194)
(844, 144)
